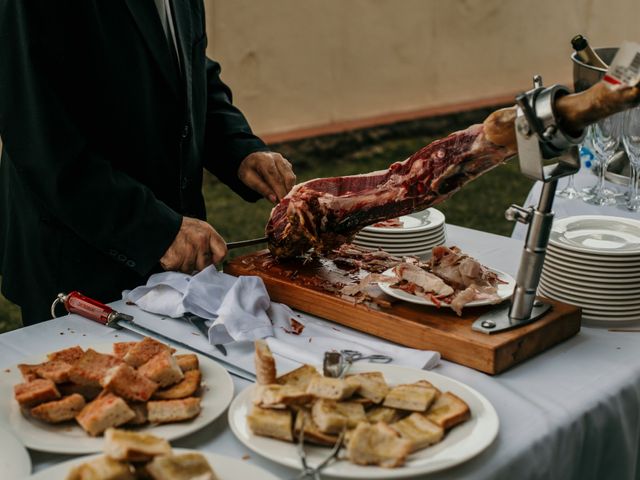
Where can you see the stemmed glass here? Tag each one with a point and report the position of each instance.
(631, 141)
(606, 138)
(589, 160)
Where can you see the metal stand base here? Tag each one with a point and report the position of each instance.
(498, 320)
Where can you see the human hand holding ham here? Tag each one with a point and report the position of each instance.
(196, 246)
(268, 173)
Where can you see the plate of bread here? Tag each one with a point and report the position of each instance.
(397, 421)
(64, 401)
(133, 455)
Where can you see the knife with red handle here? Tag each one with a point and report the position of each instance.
(82, 305)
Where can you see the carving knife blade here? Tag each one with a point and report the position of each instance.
(246, 243)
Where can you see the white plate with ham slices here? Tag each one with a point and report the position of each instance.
(69, 438)
(460, 444)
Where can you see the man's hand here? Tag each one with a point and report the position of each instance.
(268, 173)
(196, 246)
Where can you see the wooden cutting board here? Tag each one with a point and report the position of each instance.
(308, 287)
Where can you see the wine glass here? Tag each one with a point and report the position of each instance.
(631, 142)
(606, 138)
(589, 160)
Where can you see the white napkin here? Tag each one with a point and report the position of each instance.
(240, 310)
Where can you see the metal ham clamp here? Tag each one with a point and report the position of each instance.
(546, 153)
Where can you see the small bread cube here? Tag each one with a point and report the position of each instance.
(125, 382)
(188, 361)
(377, 444)
(101, 468)
(448, 411)
(185, 466)
(169, 411)
(91, 367)
(28, 371)
(332, 417)
(37, 391)
(280, 396)
(419, 430)
(300, 377)
(331, 388)
(312, 432)
(162, 369)
(271, 423)
(416, 397)
(120, 349)
(108, 410)
(140, 409)
(144, 350)
(265, 363)
(129, 446)
(69, 355)
(186, 388)
(383, 414)
(55, 370)
(61, 410)
(371, 385)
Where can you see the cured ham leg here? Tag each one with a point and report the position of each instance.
(327, 212)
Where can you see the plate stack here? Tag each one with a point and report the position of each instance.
(415, 234)
(594, 262)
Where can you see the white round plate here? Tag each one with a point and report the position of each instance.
(402, 246)
(413, 223)
(612, 286)
(69, 437)
(597, 234)
(402, 238)
(391, 242)
(505, 290)
(591, 306)
(226, 468)
(459, 445)
(595, 298)
(594, 259)
(15, 461)
(597, 272)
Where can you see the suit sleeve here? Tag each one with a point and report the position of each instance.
(228, 137)
(54, 159)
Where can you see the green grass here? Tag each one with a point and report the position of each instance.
(480, 205)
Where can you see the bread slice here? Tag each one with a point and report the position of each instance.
(377, 444)
(129, 446)
(37, 391)
(162, 369)
(188, 361)
(55, 370)
(186, 388)
(169, 411)
(332, 417)
(144, 350)
(69, 355)
(419, 430)
(91, 367)
(108, 410)
(59, 410)
(101, 468)
(331, 388)
(371, 385)
(28, 371)
(312, 433)
(120, 349)
(186, 466)
(416, 397)
(280, 396)
(271, 423)
(140, 409)
(300, 377)
(265, 363)
(448, 411)
(89, 392)
(383, 414)
(127, 383)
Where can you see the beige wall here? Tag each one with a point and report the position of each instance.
(294, 64)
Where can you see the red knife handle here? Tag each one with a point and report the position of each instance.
(87, 307)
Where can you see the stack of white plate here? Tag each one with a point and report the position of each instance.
(418, 234)
(594, 262)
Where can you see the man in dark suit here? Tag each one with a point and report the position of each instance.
(109, 110)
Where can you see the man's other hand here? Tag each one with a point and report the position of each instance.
(196, 246)
(268, 173)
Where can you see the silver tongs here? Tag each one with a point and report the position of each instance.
(246, 243)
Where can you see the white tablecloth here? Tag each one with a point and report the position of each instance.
(572, 412)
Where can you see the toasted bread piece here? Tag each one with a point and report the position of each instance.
(37, 391)
(140, 409)
(419, 430)
(28, 371)
(280, 396)
(311, 431)
(371, 385)
(169, 411)
(186, 388)
(383, 414)
(125, 382)
(129, 446)
(108, 410)
(162, 369)
(448, 411)
(300, 377)
(331, 388)
(55, 370)
(188, 361)
(332, 417)
(144, 350)
(265, 363)
(91, 367)
(101, 468)
(185, 466)
(416, 397)
(89, 392)
(120, 349)
(271, 423)
(377, 444)
(69, 355)
(59, 410)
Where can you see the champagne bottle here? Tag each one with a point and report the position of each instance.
(585, 53)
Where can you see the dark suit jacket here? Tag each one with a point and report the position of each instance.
(105, 139)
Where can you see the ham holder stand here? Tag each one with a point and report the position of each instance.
(546, 153)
